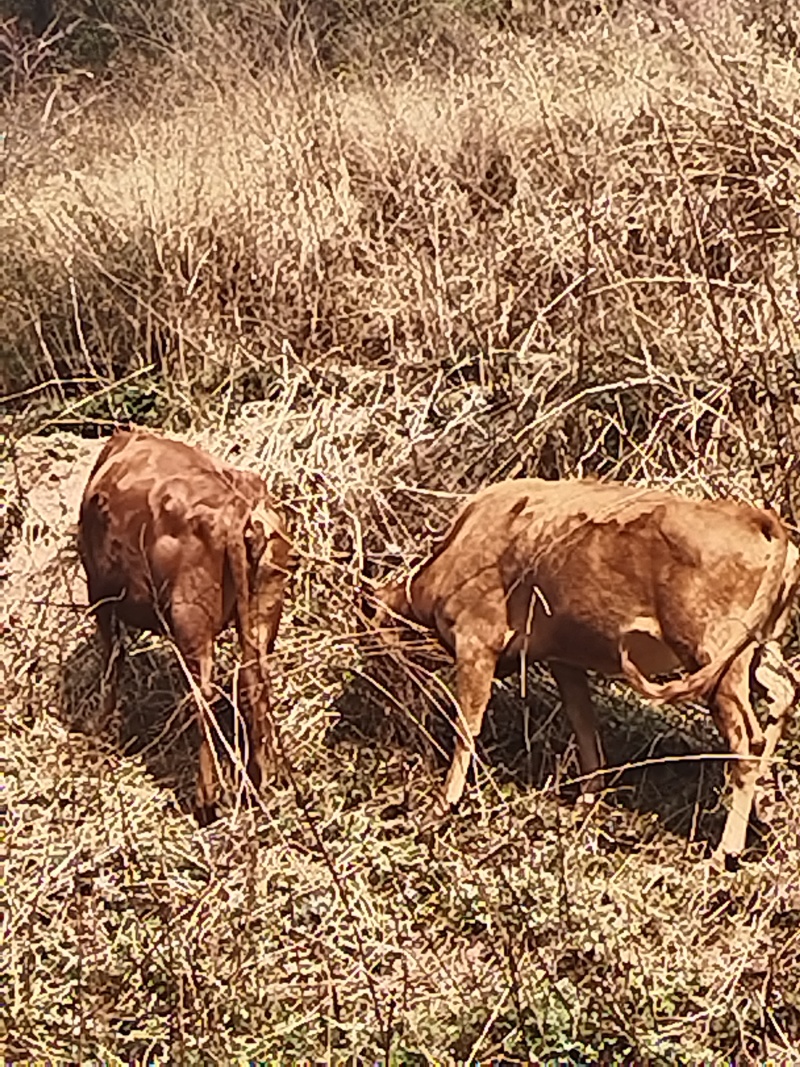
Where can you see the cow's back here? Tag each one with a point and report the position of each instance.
(640, 548)
(153, 507)
(536, 525)
(579, 560)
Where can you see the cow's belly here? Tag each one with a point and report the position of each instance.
(576, 645)
(572, 642)
(131, 600)
(139, 612)
(141, 615)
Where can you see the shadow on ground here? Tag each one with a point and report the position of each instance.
(658, 758)
(155, 719)
(379, 732)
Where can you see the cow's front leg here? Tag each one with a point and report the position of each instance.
(262, 761)
(781, 684)
(475, 667)
(108, 628)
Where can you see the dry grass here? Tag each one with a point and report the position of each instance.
(385, 261)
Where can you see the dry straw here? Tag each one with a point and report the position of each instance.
(385, 260)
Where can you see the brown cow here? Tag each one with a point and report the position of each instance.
(174, 540)
(629, 582)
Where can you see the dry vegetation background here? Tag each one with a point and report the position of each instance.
(386, 252)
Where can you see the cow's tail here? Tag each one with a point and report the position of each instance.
(258, 601)
(703, 681)
(239, 566)
(253, 635)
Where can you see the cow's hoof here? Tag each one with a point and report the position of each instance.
(436, 815)
(254, 780)
(206, 814)
(722, 862)
(251, 798)
(431, 824)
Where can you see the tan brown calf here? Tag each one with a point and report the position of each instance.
(175, 540)
(625, 581)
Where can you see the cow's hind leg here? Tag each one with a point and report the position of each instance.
(194, 617)
(780, 684)
(261, 756)
(257, 692)
(736, 721)
(475, 666)
(573, 686)
(192, 631)
(208, 785)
